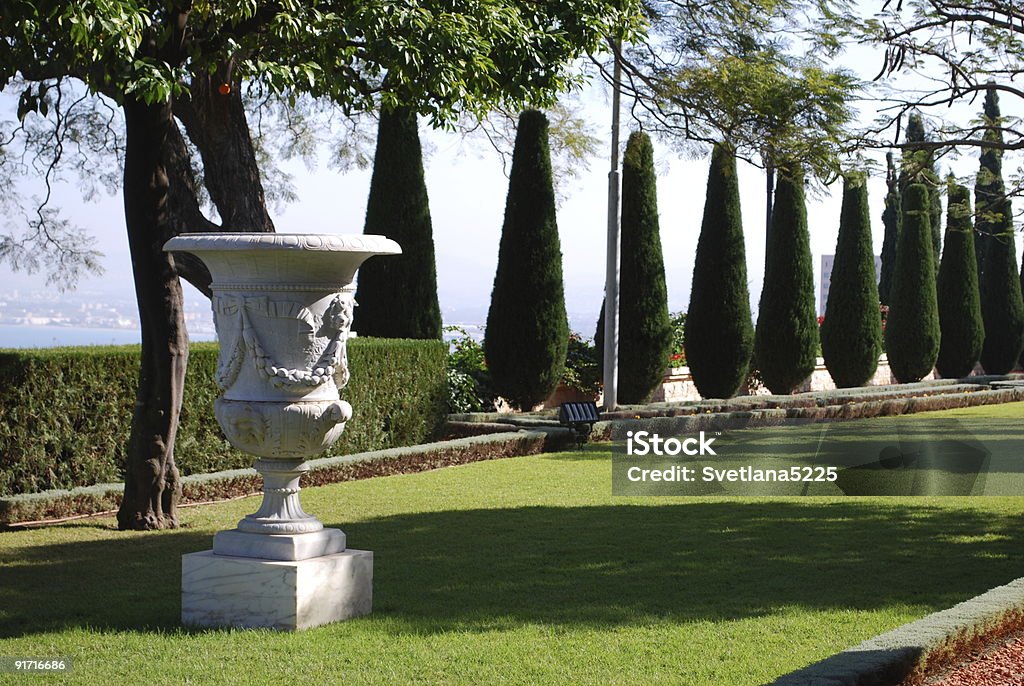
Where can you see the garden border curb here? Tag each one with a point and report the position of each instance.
(36, 508)
(889, 658)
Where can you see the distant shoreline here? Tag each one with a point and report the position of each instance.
(53, 335)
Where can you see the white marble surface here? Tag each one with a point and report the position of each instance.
(237, 543)
(225, 591)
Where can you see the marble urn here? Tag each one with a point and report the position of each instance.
(282, 306)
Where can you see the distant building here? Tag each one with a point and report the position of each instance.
(826, 278)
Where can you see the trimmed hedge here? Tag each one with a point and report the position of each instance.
(839, 396)
(912, 328)
(892, 220)
(1002, 306)
(645, 330)
(786, 337)
(613, 427)
(719, 336)
(961, 328)
(65, 413)
(527, 334)
(989, 189)
(397, 295)
(851, 335)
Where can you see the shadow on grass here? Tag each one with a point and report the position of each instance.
(594, 566)
(680, 562)
(130, 583)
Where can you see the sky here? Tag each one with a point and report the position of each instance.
(467, 188)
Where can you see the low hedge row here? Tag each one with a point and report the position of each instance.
(198, 488)
(65, 413)
(843, 396)
(615, 428)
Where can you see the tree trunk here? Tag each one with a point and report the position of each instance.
(769, 177)
(152, 484)
(216, 124)
(184, 213)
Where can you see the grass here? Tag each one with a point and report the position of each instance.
(524, 571)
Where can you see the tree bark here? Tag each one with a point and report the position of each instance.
(152, 482)
(216, 124)
(184, 212)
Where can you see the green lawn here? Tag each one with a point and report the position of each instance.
(525, 571)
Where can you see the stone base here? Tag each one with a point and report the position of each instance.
(235, 543)
(245, 592)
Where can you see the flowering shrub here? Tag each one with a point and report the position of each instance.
(677, 354)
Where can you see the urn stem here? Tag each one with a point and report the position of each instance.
(281, 512)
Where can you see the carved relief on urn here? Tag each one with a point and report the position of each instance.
(282, 362)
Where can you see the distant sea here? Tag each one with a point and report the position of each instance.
(19, 336)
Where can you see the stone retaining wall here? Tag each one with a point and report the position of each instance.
(678, 384)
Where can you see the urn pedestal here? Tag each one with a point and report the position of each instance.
(282, 305)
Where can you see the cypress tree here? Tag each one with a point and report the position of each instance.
(989, 191)
(912, 329)
(851, 334)
(960, 322)
(786, 336)
(527, 331)
(891, 221)
(919, 167)
(645, 331)
(398, 297)
(719, 336)
(1002, 309)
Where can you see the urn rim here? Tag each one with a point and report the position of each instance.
(369, 244)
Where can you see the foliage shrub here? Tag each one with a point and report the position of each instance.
(677, 353)
(470, 388)
(582, 366)
(65, 412)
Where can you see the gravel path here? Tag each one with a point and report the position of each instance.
(1002, 666)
